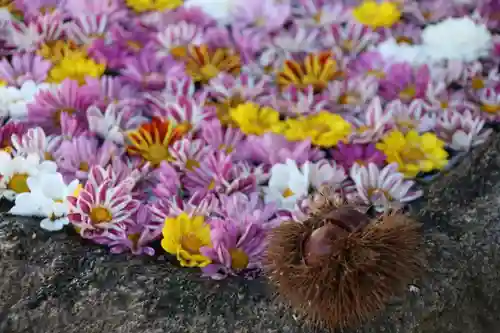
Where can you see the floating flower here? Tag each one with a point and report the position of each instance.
(384, 188)
(457, 39)
(362, 154)
(461, 130)
(288, 184)
(47, 198)
(101, 205)
(324, 129)
(184, 237)
(15, 171)
(317, 70)
(414, 153)
(376, 15)
(152, 140)
(203, 63)
(251, 118)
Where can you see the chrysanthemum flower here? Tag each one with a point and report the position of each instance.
(75, 66)
(461, 130)
(262, 14)
(376, 15)
(441, 98)
(489, 103)
(288, 184)
(152, 140)
(34, 141)
(404, 82)
(352, 94)
(320, 13)
(204, 63)
(68, 97)
(184, 237)
(371, 125)
(57, 50)
(8, 132)
(415, 116)
(99, 206)
(348, 154)
(140, 6)
(349, 39)
(175, 38)
(227, 140)
(324, 129)
(271, 148)
(82, 153)
(217, 173)
(15, 171)
(114, 9)
(326, 173)
(115, 90)
(48, 199)
(293, 102)
(41, 30)
(187, 154)
(370, 63)
(85, 28)
(414, 153)
(317, 70)
(112, 123)
(14, 101)
(251, 118)
(31, 9)
(229, 92)
(384, 188)
(235, 248)
(24, 67)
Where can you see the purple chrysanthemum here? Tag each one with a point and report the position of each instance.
(24, 67)
(348, 154)
(404, 82)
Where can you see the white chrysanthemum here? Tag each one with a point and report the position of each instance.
(383, 188)
(392, 51)
(461, 130)
(219, 10)
(47, 198)
(457, 39)
(288, 184)
(325, 172)
(15, 171)
(13, 101)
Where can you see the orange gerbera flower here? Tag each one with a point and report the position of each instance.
(152, 140)
(316, 70)
(203, 64)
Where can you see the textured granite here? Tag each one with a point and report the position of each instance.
(56, 283)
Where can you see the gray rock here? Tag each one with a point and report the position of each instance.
(58, 283)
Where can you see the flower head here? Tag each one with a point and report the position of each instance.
(24, 67)
(184, 236)
(251, 118)
(8, 133)
(75, 66)
(362, 154)
(384, 188)
(317, 70)
(376, 15)
(414, 153)
(324, 129)
(152, 140)
(404, 82)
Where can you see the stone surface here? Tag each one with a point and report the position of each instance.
(57, 283)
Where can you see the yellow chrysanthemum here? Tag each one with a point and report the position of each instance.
(251, 118)
(141, 6)
(203, 63)
(324, 129)
(76, 66)
(55, 51)
(377, 15)
(184, 236)
(413, 152)
(316, 70)
(152, 140)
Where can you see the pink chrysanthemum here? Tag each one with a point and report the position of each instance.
(68, 98)
(9, 132)
(79, 155)
(429, 11)
(29, 36)
(295, 102)
(489, 103)
(414, 116)
(352, 94)
(318, 13)
(440, 98)
(270, 149)
(217, 174)
(188, 154)
(113, 89)
(349, 39)
(227, 140)
(371, 125)
(404, 82)
(173, 38)
(34, 8)
(101, 206)
(85, 28)
(115, 10)
(404, 33)
(369, 64)
(24, 67)
(34, 141)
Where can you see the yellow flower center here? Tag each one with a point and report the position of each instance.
(226, 149)
(490, 108)
(404, 40)
(18, 183)
(288, 193)
(209, 71)
(136, 46)
(349, 99)
(100, 215)
(477, 83)
(317, 17)
(239, 259)
(158, 153)
(192, 164)
(191, 243)
(84, 166)
(408, 93)
(211, 186)
(48, 156)
(222, 109)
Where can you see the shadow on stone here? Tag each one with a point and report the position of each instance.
(57, 283)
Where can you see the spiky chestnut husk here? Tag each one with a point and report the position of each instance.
(340, 267)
